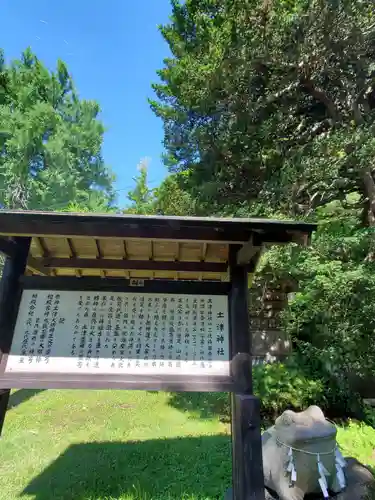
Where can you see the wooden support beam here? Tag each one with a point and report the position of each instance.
(249, 253)
(8, 247)
(99, 254)
(248, 481)
(10, 296)
(123, 285)
(36, 267)
(303, 239)
(81, 225)
(4, 399)
(170, 383)
(73, 255)
(284, 237)
(127, 264)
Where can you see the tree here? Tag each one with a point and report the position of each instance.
(141, 197)
(50, 140)
(331, 320)
(268, 108)
(260, 95)
(167, 199)
(171, 199)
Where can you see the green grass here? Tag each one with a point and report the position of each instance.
(101, 445)
(117, 445)
(358, 440)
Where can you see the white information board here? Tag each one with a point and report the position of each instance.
(72, 332)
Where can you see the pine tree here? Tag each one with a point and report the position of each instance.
(50, 139)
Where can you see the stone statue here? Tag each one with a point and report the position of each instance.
(301, 460)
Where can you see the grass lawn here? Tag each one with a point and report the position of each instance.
(110, 445)
(107, 445)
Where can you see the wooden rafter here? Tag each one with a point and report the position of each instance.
(249, 250)
(127, 264)
(73, 254)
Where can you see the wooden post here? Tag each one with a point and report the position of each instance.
(14, 268)
(248, 481)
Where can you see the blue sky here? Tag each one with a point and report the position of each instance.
(113, 49)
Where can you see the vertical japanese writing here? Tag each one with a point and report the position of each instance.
(87, 319)
(95, 333)
(202, 332)
(81, 333)
(155, 336)
(34, 349)
(27, 332)
(163, 330)
(178, 339)
(52, 327)
(194, 330)
(209, 332)
(140, 331)
(124, 331)
(73, 349)
(112, 340)
(106, 322)
(171, 330)
(34, 336)
(187, 329)
(133, 315)
(147, 347)
(219, 334)
(121, 332)
(100, 329)
(40, 342)
(118, 332)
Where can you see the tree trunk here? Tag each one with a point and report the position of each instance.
(369, 192)
(369, 210)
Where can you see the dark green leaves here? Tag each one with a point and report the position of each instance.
(50, 140)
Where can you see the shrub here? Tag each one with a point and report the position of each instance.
(282, 386)
(331, 320)
(295, 384)
(279, 386)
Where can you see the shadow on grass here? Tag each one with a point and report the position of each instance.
(21, 396)
(193, 468)
(202, 404)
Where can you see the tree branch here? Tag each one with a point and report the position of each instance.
(322, 97)
(281, 93)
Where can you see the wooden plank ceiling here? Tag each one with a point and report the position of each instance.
(150, 247)
(128, 258)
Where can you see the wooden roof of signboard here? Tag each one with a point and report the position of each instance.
(150, 247)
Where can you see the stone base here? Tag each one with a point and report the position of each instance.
(360, 485)
(360, 482)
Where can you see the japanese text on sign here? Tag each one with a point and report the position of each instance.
(115, 333)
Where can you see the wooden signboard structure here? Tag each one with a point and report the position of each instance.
(137, 302)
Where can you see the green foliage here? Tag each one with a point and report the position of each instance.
(268, 110)
(286, 385)
(93, 202)
(260, 96)
(278, 385)
(50, 140)
(141, 197)
(331, 318)
(169, 198)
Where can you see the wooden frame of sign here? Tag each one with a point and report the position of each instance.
(128, 302)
